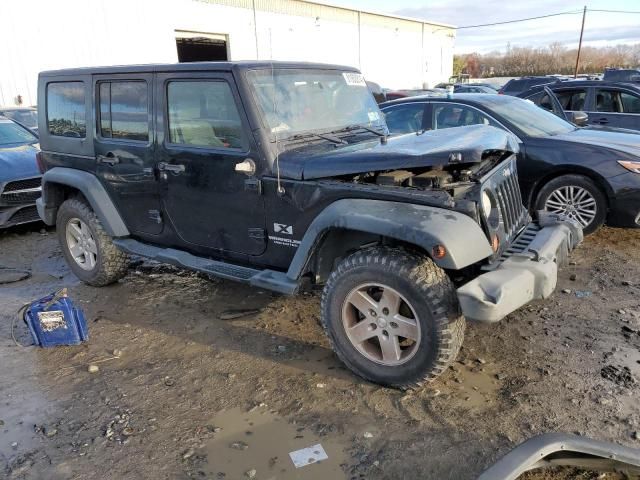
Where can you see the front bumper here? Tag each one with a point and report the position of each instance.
(523, 276)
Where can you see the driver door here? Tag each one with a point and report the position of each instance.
(205, 135)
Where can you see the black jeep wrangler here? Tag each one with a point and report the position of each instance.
(281, 175)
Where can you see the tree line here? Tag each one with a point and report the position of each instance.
(554, 59)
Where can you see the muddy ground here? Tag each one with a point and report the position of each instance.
(183, 391)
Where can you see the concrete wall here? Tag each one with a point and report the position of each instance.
(47, 34)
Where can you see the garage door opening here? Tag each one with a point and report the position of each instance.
(201, 47)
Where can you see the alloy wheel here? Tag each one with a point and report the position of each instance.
(381, 324)
(81, 244)
(573, 201)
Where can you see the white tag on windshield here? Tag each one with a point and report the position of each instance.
(354, 79)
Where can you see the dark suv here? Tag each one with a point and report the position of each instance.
(516, 86)
(281, 175)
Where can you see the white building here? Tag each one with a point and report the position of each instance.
(395, 52)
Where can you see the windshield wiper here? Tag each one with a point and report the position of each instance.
(324, 136)
(351, 128)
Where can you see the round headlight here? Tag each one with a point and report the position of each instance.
(486, 204)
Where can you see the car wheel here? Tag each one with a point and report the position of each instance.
(87, 248)
(392, 317)
(577, 197)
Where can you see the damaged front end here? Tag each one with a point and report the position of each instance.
(563, 450)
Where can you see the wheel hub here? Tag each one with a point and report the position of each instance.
(381, 324)
(573, 201)
(81, 244)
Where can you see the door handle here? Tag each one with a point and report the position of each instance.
(109, 158)
(170, 167)
(602, 120)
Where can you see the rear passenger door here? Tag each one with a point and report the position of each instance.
(616, 107)
(202, 135)
(124, 148)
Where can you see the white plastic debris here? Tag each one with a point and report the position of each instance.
(307, 456)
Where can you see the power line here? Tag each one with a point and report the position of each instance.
(574, 12)
(614, 11)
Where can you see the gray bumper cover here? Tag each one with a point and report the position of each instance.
(522, 277)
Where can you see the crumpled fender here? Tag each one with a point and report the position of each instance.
(421, 225)
(556, 449)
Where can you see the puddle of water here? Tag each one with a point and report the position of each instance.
(262, 441)
(476, 388)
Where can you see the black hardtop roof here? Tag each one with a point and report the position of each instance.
(193, 66)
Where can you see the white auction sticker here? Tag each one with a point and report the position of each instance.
(307, 456)
(354, 79)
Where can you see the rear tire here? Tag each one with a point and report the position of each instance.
(403, 347)
(87, 248)
(577, 197)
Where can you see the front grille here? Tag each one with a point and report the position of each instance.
(24, 215)
(23, 184)
(519, 245)
(27, 190)
(503, 183)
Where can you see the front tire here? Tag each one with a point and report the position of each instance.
(87, 248)
(577, 197)
(392, 317)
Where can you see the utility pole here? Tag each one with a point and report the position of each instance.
(584, 14)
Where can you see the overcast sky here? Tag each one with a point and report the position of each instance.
(600, 28)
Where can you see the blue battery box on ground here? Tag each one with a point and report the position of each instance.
(54, 320)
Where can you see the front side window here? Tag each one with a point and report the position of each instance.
(405, 118)
(451, 115)
(66, 109)
(204, 114)
(307, 100)
(630, 103)
(124, 110)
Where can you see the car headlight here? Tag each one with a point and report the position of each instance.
(631, 166)
(486, 204)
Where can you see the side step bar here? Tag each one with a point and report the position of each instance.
(267, 279)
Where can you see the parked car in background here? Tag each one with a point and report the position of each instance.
(591, 175)
(19, 175)
(607, 103)
(516, 86)
(621, 75)
(25, 116)
(473, 89)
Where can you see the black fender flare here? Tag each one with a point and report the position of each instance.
(95, 193)
(421, 225)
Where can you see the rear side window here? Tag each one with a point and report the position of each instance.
(66, 109)
(616, 101)
(124, 110)
(204, 114)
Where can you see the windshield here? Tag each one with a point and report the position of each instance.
(28, 118)
(12, 134)
(531, 119)
(300, 100)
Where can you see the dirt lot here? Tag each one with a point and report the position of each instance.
(184, 391)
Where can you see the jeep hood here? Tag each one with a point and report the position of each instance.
(429, 149)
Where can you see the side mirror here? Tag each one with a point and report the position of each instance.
(579, 118)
